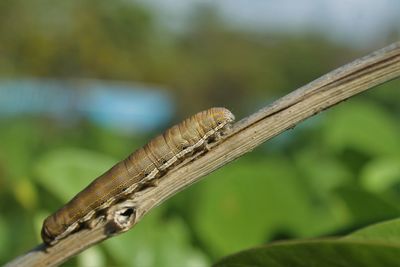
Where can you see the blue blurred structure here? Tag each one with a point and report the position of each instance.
(122, 106)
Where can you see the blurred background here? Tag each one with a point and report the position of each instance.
(84, 83)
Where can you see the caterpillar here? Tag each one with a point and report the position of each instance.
(143, 167)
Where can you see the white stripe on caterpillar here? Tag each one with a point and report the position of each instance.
(140, 168)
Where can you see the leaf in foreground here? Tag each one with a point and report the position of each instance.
(367, 247)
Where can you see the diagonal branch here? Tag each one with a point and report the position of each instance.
(327, 91)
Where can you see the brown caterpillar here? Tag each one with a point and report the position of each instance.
(140, 168)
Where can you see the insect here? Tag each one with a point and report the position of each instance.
(143, 167)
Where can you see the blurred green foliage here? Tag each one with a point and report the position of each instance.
(208, 61)
(332, 174)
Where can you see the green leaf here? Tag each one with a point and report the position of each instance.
(366, 207)
(91, 257)
(326, 253)
(253, 201)
(156, 242)
(4, 236)
(376, 245)
(322, 173)
(381, 174)
(25, 193)
(387, 232)
(19, 140)
(65, 172)
(364, 127)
